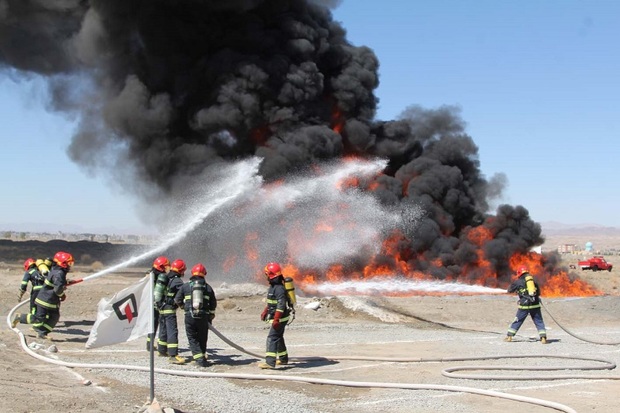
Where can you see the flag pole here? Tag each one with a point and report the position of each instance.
(152, 340)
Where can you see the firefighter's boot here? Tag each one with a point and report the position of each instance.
(543, 340)
(176, 359)
(265, 366)
(15, 321)
(508, 338)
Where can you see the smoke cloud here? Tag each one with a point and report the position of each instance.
(164, 90)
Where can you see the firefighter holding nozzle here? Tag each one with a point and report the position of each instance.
(529, 304)
(198, 300)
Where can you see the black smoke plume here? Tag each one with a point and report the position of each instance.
(163, 89)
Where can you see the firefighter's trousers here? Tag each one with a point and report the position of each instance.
(276, 347)
(28, 318)
(522, 314)
(45, 319)
(168, 341)
(33, 296)
(197, 330)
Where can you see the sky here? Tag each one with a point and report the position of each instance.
(536, 83)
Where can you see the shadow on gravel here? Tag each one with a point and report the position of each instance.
(230, 359)
(308, 364)
(70, 323)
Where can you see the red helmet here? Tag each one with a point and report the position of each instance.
(29, 263)
(199, 270)
(63, 259)
(178, 266)
(522, 270)
(273, 270)
(161, 263)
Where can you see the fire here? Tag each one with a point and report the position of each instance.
(260, 134)
(338, 120)
(395, 260)
(552, 285)
(250, 246)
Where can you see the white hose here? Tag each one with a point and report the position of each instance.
(605, 343)
(407, 386)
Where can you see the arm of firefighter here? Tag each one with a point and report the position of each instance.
(276, 319)
(212, 300)
(212, 303)
(25, 281)
(179, 297)
(59, 284)
(263, 315)
(513, 287)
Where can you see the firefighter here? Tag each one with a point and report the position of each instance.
(52, 294)
(158, 272)
(276, 313)
(168, 342)
(34, 277)
(199, 302)
(529, 304)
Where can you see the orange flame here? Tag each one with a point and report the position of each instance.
(338, 120)
(552, 285)
(395, 258)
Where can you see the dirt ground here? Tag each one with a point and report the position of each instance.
(428, 327)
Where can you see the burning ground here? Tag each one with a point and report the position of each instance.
(166, 93)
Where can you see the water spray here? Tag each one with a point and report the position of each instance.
(244, 177)
(400, 286)
(243, 184)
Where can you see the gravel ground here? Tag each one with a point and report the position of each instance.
(428, 329)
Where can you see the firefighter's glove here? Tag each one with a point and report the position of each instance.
(63, 297)
(20, 294)
(263, 315)
(211, 317)
(276, 320)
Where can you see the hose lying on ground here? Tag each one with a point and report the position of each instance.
(612, 343)
(407, 386)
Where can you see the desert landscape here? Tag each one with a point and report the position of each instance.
(343, 349)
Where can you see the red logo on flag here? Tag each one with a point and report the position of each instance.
(126, 308)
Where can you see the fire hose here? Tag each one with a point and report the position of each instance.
(605, 343)
(449, 372)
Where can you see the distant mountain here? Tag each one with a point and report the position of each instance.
(557, 228)
(71, 229)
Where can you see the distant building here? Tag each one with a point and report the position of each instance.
(567, 248)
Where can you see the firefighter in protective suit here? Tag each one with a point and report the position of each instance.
(52, 294)
(529, 304)
(168, 342)
(34, 277)
(158, 272)
(277, 313)
(199, 302)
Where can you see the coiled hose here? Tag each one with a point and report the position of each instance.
(408, 386)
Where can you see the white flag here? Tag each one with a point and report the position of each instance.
(124, 317)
